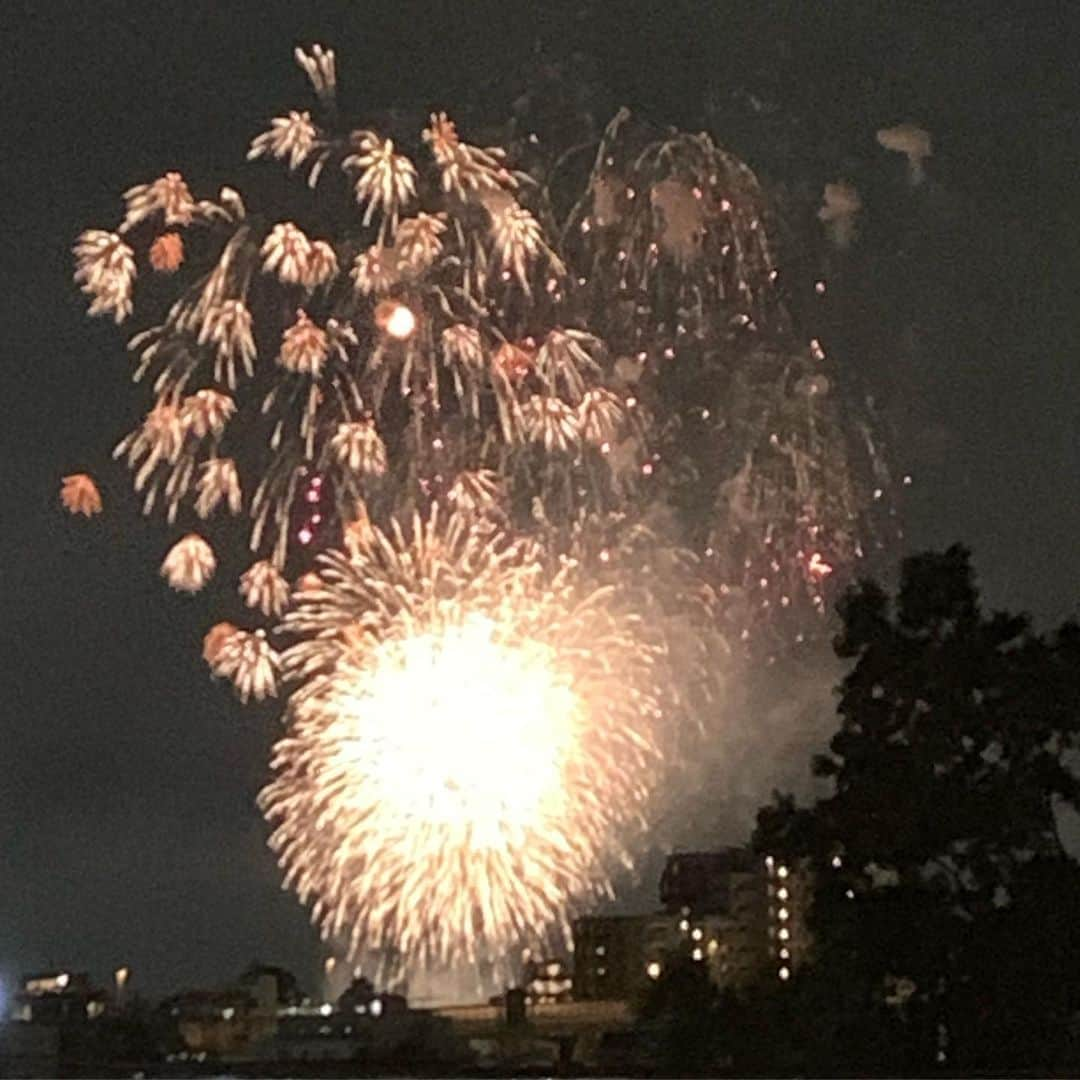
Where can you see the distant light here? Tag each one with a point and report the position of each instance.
(784, 934)
(697, 933)
(837, 862)
(782, 872)
(652, 969)
(784, 954)
(698, 954)
(684, 925)
(600, 951)
(784, 914)
(377, 1007)
(782, 893)
(326, 1008)
(784, 973)
(228, 1014)
(63, 980)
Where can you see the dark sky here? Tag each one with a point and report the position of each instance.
(127, 826)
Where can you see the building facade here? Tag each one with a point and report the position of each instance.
(737, 912)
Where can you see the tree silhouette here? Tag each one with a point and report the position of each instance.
(943, 900)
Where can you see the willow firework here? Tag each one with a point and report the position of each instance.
(472, 743)
(644, 460)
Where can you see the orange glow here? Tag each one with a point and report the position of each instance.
(167, 253)
(80, 495)
(215, 640)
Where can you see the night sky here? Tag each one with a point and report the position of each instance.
(128, 832)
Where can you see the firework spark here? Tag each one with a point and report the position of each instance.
(470, 747)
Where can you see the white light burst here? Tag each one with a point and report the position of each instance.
(470, 746)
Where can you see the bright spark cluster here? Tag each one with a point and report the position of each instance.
(471, 745)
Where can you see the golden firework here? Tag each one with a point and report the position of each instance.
(470, 746)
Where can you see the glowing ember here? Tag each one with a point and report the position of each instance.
(80, 495)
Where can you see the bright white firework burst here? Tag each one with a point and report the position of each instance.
(471, 745)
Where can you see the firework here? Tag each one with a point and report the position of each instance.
(388, 381)
(471, 744)
(644, 459)
(80, 495)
